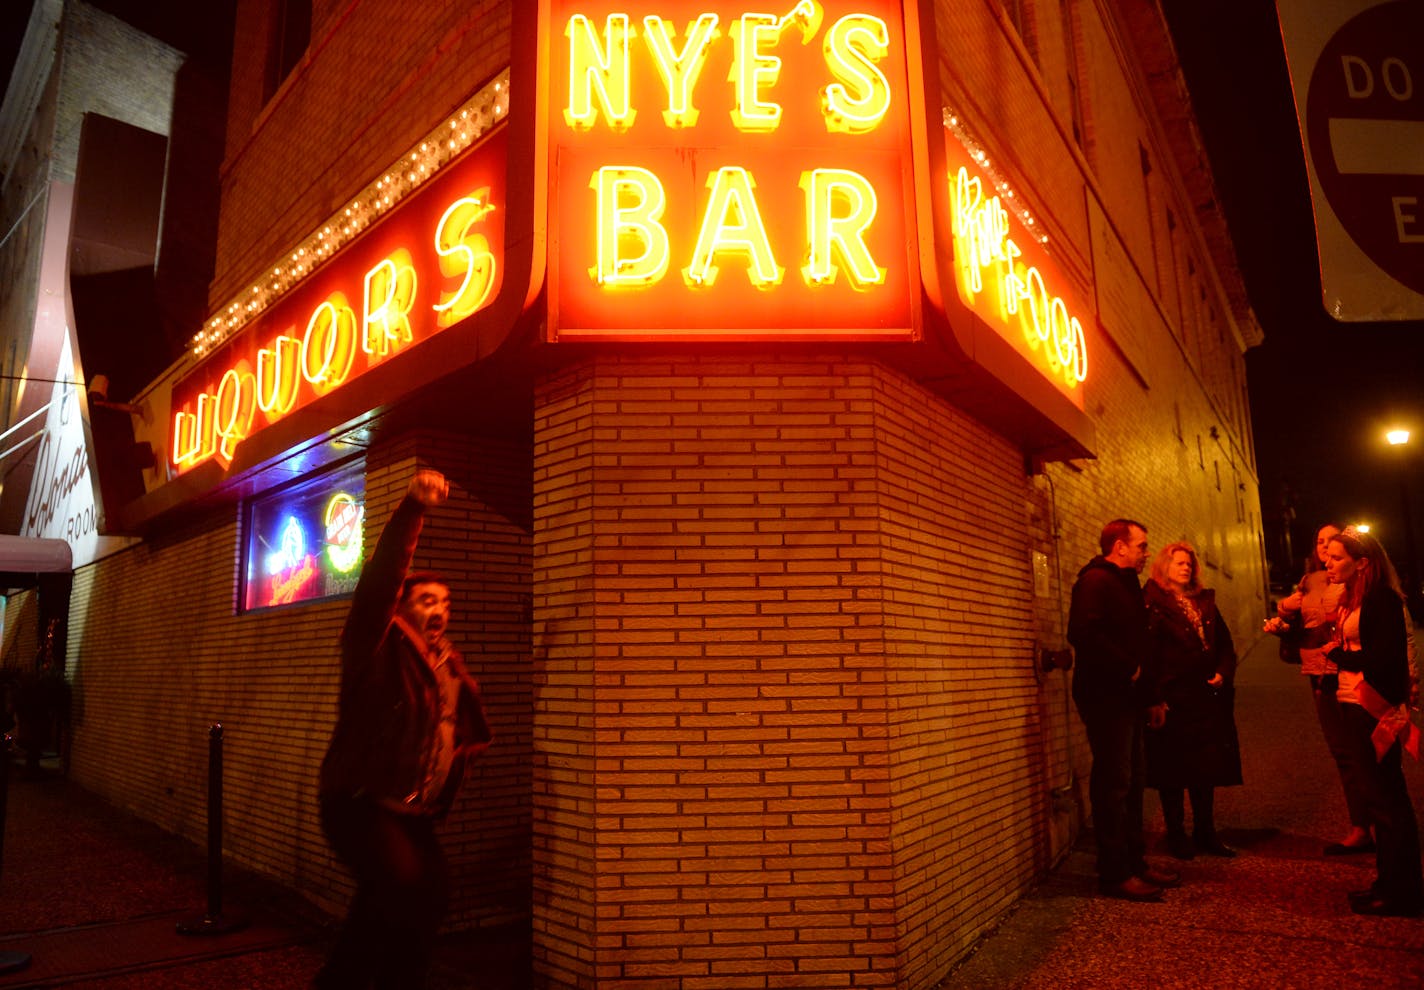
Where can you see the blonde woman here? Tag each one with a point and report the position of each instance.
(1194, 662)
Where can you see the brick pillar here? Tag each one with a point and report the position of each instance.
(710, 796)
(787, 731)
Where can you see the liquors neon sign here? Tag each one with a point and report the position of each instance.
(433, 262)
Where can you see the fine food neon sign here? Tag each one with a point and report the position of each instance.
(433, 262)
(727, 172)
(1006, 276)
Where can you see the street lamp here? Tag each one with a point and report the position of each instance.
(1399, 438)
(1361, 527)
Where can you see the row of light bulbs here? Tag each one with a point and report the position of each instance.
(465, 126)
(1007, 197)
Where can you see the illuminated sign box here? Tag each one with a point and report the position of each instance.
(432, 262)
(720, 172)
(1005, 275)
(305, 543)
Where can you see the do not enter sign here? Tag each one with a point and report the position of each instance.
(1362, 114)
(1365, 111)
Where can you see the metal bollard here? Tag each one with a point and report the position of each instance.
(214, 922)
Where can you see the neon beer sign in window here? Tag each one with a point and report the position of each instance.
(1007, 277)
(432, 262)
(305, 543)
(730, 171)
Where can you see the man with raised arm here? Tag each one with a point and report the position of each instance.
(409, 717)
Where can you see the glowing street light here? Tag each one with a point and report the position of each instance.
(1361, 527)
(1399, 439)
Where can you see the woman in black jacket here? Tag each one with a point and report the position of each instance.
(1194, 664)
(1373, 658)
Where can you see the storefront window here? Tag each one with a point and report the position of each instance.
(304, 542)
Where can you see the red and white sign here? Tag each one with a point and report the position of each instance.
(1357, 67)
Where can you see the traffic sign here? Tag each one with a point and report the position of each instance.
(1358, 72)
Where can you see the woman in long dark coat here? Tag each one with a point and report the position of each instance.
(1194, 664)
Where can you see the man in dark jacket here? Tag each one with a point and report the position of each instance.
(409, 717)
(1107, 625)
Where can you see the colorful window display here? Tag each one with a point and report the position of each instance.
(304, 542)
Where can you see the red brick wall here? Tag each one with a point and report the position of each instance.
(158, 653)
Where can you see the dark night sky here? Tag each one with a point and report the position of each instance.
(1322, 392)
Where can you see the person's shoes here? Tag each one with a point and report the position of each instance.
(1160, 878)
(1180, 845)
(1132, 889)
(1384, 907)
(1340, 849)
(1213, 846)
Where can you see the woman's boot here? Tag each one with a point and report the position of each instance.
(1179, 844)
(1203, 826)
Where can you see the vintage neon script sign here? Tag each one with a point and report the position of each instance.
(1010, 282)
(739, 165)
(430, 264)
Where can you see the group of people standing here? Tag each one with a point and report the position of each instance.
(1347, 626)
(1153, 684)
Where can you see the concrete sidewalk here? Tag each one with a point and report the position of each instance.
(1274, 918)
(93, 895)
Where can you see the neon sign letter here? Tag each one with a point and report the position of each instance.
(389, 295)
(235, 406)
(839, 236)
(460, 252)
(637, 221)
(733, 224)
(330, 343)
(860, 98)
(277, 378)
(194, 438)
(754, 71)
(680, 69)
(601, 67)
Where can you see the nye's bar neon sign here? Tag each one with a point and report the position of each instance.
(729, 173)
(431, 263)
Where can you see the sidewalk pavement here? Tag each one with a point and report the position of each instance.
(1273, 918)
(93, 896)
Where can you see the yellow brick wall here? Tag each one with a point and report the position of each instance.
(790, 725)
